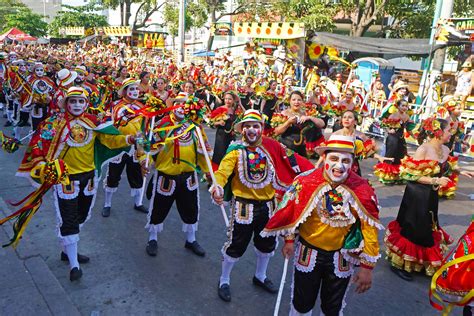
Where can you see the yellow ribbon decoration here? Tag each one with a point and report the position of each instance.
(466, 298)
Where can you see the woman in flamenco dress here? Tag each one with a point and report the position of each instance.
(293, 127)
(223, 119)
(395, 120)
(415, 241)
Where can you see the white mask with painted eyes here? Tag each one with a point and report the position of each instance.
(39, 72)
(80, 78)
(22, 68)
(337, 166)
(179, 113)
(252, 132)
(133, 92)
(76, 105)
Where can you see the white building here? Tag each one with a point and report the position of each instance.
(46, 8)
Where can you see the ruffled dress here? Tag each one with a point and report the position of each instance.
(224, 134)
(415, 241)
(395, 147)
(449, 191)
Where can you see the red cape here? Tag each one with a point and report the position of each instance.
(294, 208)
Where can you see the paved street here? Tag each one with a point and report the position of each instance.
(121, 279)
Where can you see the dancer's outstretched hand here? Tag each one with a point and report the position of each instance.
(288, 250)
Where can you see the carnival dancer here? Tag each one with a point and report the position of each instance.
(293, 127)
(177, 158)
(332, 215)
(43, 89)
(346, 103)
(465, 80)
(73, 137)
(129, 122)
(64, 80)
(255, 168)
(453, 283)
(161, 89)
(268, 102)
(365, 147)
(21, 96)
(223, 119)
(450, 110)
(415, 241)
(91, 89)
(395, 119)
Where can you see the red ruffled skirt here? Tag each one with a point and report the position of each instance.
(387, 173)
(404, 254)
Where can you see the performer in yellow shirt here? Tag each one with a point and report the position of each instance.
(335, 214)
(179, 155)
(78, 139)
(128, 122)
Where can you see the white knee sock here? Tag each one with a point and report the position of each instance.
(227, 266)
(137, 198)
(17, 132)
(71, 251)
(191, 234)
(262, 264)
(153, 235)
(108, 198)
(9, 116)
(294, 312)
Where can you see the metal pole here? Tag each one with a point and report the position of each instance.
(427, 64)
(181, 30)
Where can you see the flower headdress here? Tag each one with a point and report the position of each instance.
(432, 128)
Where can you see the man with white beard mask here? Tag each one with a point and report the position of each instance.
(329, 219)
(128, 122)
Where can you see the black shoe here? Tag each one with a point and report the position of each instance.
(140, 208)
(402, 274)
(152, 248)
(106, 211)
(75, 274)
(224, 292)
(267, 285)
(195, 247)
(80, 258)
(8, 123)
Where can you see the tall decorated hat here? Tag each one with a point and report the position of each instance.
(337, 143)
(249, 116)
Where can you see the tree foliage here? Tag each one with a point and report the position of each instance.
(26, 20)
(77, 16)
(195, 16)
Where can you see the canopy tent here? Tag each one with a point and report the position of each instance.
(374, 45)
(204, 53)
(15, 34)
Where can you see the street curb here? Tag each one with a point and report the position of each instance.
(53, 293)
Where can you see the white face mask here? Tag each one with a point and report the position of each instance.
(179, 113)
(252, 132)
(79, 78)
(39, 72)
(76, 105)
(337, 166)
(22, 68)
(133, 92)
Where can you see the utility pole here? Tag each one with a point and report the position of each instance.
(438, 60)
(181, 30)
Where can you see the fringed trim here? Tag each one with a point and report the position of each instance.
(349, 257)
(339, 270)
(307, 264)
(59, 219)
(165, 191)
(192, 186)
(91, 187)
(152, 228)
(69, 239)
(368, 258)
(152, 201)
(242, 167)
(62, 192)
(227, 257)
(243, 213)
(190, 227)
